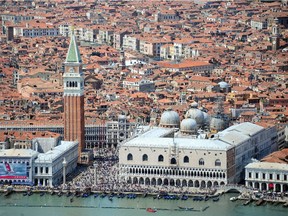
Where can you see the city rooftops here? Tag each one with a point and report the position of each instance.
(56, 152)
(157, 137)
(18, 153)
(268, 166)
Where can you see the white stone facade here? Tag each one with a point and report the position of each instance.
(265, 176)
(48, 167)
(156, 158)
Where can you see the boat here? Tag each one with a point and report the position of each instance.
(206, 198)
(103, 195)
(85, 195)
(59, 194)
(215, 199)
(285, 205)
(204, 209)
(151, 210)
(198, 198)
(8, 192)
(52, 192)
(25, 193)
(185, 208)
(259, 202)
(184, 197)
(42, 193)
(233, 199)
(29, 193)
(247, 202)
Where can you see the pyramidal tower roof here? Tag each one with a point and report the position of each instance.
(73, 55)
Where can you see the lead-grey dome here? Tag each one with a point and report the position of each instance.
(195, 114)
(188, 126)
(170, 118)
(223, 84)
(217, 124)
(206, 118)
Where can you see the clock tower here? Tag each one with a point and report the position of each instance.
(275, 35)
(73, 82)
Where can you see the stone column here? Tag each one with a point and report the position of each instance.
(64, 170)
(95, 175)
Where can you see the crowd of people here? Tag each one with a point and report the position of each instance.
(104, 176)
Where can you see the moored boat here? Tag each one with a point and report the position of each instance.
(247, 202)
(259, 202)
(185, 208)
(215, 199)
(151, 210)
(233, 199)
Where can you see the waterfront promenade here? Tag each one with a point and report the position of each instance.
(103, 178)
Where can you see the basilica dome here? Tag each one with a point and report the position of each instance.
(170, 118)
(195, 114)
(217, 124)
(188, 126)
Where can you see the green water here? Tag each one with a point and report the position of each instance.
(47, 205)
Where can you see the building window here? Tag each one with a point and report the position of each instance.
(160, 158)
(256, 175)
(249, 174)
(285, 177)
(201, 162)
(129, 157)
(271, 176)
(186, 159)
(217, 162)
(278, 177)
(145, 157)
(173, 161)
(263, 176)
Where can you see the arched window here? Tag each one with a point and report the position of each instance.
(173, 161)
(217, 162)
(129, 157)
(201, 162)
(186, 159)
(145, 157)
(160, 158)
(67, 84)
(76, 84)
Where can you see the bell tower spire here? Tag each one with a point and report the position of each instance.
(73, 80)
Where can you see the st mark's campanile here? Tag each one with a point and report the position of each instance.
(73, 82)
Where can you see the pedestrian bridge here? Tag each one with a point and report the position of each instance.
(233, 188)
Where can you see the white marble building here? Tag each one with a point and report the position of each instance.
(186, 157)
(48, 167)
(265, 176)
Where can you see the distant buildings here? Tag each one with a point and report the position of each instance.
(269, 174)
(35, 158)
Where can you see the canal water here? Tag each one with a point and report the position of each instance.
(47, 205)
